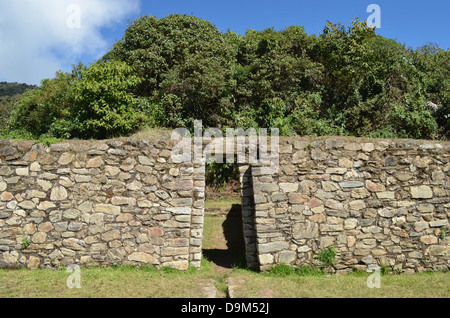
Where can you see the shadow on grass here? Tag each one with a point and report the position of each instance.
(234, 255)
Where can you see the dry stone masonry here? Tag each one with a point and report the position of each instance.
(376, 202)
(98, 203)
(125, 202)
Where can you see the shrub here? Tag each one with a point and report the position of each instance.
(104, 105)
(327, 256)
(39, 108)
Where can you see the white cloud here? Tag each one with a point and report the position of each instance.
(40, 37)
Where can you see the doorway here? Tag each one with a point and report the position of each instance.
(223, 238)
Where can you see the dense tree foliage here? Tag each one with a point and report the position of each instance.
(6, 106)
(103, 102)
(184, 64)
(169, 72)
(12, 89)
(40, 109)
(10, 94)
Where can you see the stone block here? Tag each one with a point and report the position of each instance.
(107, 209)
(265, 259)
(351, 184)
(305, 230)
(289, 187)
(96, 162)
(386, 195)
(265, 187)
(59, 193)
(374, 187)
(141, 257)
(421, 192)
(429, 239)
(287, 257)
(272, 247)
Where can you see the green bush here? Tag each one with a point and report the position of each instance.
(217, 175)
(183, 63)
(39, 108)
(327, 256)
(104, 104)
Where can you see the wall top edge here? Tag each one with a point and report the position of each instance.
(165, 142)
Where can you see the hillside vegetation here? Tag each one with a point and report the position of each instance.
(169, 72)
(10, 93)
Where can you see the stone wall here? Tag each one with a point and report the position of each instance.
(125, 202)
(383, 202)
(99, 203)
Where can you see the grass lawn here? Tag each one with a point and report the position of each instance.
(224, 204)
(121, 282)
(354, 285)
(128, 282)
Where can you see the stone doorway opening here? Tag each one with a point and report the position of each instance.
(223, 239)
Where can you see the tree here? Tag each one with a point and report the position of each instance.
(434, 65)
(272, 74)
(41, 108)
(371, 87)
(104, 105)
(183, 63)
(12, 89)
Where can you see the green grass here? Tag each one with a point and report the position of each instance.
(283, 270)
(282, 282)
(96, 282)
(223, 203)
(312, 283)
(212, 226)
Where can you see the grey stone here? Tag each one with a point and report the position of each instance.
(107, 209)
(333, 204)
(272, 247)
(367, 260)
(305, 230)
(179, 186)
(421, 192)
(71, 214)
(351, 184)
(387, 212)
(182, 202)
(265, 187)
(438, 223)
(180, 210)
(438, 250)
(338, 171)
(96, 162)
(289, 187)
(287, 257)
(66, 158)
(332, 143)
(329, 186)
(425, 208)
(75, 226)
(74, 244)
(389, 161)
(7, 151)
(58, 193)
(389, 195)
(162, 194)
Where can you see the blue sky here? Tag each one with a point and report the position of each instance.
(35, 40)
(411, 22)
